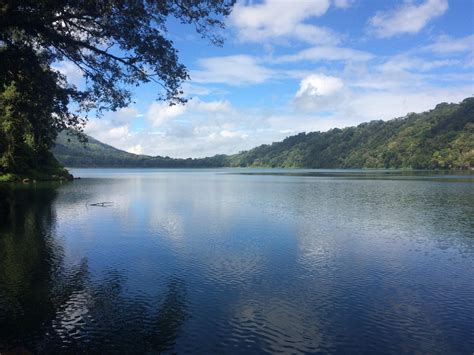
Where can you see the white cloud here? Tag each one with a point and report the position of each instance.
(284, 125)
(136, 149)
(401, 63)
(408, 18)
(113, 127)
(192, 89)
(161, 112)
(106, 131)
(319, 85)
(212, 106)
(315, 34)
(390, 104)
(318, 92)
(412, 70)
(118, 132)
(231, 70)
(72, 72)
(225, 134)
(327, 53)
(273, 19)
(364, 77)
(449, 45)
(204, 128)
(123, 115)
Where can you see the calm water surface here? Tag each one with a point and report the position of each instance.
(216, 261)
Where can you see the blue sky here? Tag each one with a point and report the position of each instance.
(289, 66)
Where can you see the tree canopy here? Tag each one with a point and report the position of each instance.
(116, 45)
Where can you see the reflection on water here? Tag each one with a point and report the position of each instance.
(48, 305)
(212, 261)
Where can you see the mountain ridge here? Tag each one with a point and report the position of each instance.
(441, 138)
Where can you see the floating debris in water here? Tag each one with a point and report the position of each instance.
(101, 204)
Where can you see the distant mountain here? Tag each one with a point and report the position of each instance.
(71, 153)
(442, 138)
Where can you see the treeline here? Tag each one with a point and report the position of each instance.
(442, 138)
(72, 153)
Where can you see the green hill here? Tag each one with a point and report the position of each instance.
(71, 153)
(442, 138)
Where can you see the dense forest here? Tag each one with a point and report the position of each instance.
(442, 138)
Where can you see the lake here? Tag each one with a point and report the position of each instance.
(239, 261)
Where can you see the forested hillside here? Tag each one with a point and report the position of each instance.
(72, 153)
(442, 138)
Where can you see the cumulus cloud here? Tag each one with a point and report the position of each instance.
(231, 70)
(318, 92)
(161, 112)
(273, 19)
(391, 89)
(319, 85)
(408, 18)
(108, 132)
(114, 126)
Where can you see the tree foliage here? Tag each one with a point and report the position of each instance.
(116, 45)
(33, 107)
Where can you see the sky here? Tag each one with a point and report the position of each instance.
(291, 66)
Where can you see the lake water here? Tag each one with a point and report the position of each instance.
(239, 261)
